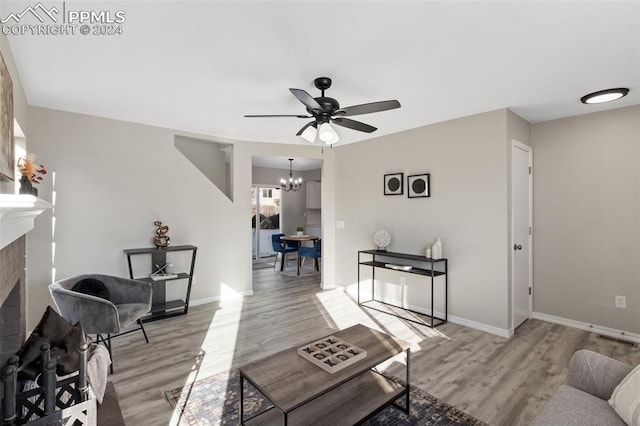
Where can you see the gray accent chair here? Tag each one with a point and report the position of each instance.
(129, 301)
(584, 399)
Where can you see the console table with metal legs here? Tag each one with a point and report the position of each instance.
(420, 265)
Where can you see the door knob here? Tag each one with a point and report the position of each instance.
(517, 247)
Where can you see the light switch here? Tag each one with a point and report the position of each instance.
(340, 224)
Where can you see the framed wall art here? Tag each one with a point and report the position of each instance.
(7, 162)
(418, 186)
(393, 184)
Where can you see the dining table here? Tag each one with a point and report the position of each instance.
(298, 239)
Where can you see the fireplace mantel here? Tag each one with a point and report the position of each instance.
(17, 213)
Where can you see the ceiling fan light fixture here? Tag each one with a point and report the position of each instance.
(333, 140)
(602, 96)
(324, 109)
(310, 134)
(326, 133)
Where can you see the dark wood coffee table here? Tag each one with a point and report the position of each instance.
(304, 394)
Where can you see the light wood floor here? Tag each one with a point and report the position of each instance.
(500, 381)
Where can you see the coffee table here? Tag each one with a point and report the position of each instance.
(304, 394)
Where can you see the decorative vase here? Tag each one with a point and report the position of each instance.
(299, 233)
(26, 187)
(436, 249)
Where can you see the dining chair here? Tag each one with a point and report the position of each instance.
(282, 247)
(312, 252)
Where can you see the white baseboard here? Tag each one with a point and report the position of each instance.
(599, 329)
(502, 332)
(205, 300)
(465, 322)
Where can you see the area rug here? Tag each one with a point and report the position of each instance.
(214, 401)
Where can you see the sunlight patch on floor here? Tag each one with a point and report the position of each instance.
(227, 293)
(413, 333)
(219, 343)
(222, 334)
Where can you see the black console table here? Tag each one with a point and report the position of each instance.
(160, 307)
(420, 265)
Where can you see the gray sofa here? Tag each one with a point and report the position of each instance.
(583, 400)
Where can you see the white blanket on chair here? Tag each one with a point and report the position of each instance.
(98, 370)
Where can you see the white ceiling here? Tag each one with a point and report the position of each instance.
(200, 66)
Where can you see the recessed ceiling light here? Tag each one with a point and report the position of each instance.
(604, 96)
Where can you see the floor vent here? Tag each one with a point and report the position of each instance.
(616, 339)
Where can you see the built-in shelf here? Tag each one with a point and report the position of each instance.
(17, 214)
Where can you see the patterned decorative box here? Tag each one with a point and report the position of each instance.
(332, 354)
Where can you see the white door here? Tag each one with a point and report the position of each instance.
(521, 191)
(265, 219)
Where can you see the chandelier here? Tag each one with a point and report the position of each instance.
(291, 184)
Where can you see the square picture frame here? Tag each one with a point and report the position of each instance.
(419, 186)
(394, 184)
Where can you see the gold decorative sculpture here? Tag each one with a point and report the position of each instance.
(161, 240)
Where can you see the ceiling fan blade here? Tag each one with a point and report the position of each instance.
(368, 108)
(353, 124)
(306, 99)
(277, 115)
(311, 123)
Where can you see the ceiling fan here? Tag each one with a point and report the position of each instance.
(325, 110)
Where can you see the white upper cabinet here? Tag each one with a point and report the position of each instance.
(313, 195)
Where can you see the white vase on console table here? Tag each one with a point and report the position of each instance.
(435, 250)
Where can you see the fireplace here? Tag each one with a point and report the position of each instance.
(17, 215)
(12, 298)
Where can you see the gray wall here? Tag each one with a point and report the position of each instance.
(112, 179)
(587, 217)
(211, 158)
(310, 175)
(586, 206)
(467, 160)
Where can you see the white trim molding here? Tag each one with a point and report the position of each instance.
(328, 286)
(17, 213)
(205, 300)
(599, 329)
(512, 262)
(502, 332)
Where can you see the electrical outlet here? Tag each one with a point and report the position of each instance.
(403, 281)
(340, 224)
(621, 302)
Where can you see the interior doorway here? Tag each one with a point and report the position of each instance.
(265, 220)
(275, 210)
(521, 232)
